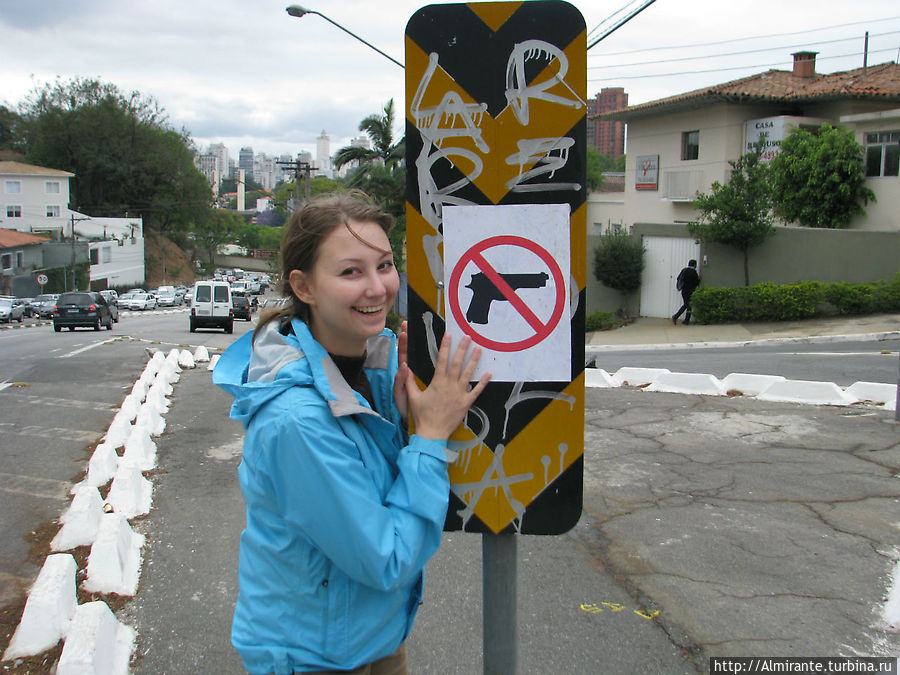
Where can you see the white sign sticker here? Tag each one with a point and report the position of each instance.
(506, 285)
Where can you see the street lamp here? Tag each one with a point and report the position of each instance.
(298, 11)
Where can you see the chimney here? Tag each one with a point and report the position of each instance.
(805, 64)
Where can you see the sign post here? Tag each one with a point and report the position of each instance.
(496, 230)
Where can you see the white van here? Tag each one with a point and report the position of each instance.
(211, 306)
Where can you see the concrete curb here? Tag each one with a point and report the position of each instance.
(94, 640)
(591, 350)
(763, 387)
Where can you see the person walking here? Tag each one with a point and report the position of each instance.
(687, 281)
(343, 506)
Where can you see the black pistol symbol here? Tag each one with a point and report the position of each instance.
(484, 292)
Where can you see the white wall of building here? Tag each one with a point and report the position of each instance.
(33, 199)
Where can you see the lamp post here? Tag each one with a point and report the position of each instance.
(298, 11)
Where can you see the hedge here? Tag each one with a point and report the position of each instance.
(801, 300)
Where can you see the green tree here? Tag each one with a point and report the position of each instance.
(594, 169)
(619, 262)
(737, 213)
(123, 153)
(11, 132)
(381, 173)
(818, 179)
(218, 227)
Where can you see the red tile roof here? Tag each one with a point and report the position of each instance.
(12, 238)
(875, 83)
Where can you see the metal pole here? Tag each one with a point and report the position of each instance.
(499, 631)
(74, 288)
(897, 401)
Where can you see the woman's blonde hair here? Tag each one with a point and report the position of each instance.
(307, 228)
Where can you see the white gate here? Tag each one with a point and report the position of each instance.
(663, 260)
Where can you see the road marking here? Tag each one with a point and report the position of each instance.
(85, 348)
(45, 488)
(53, 432)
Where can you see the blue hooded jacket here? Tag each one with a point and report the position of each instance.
(342, 513)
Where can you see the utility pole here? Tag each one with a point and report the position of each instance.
(298, 167)
(74, 220)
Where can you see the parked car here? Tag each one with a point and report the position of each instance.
(81, 308)
(241, 306)
(142, 301)
(42, 307)
(211, 306)
(112, 299)
(166, 297)
(26, 305)
(10, 311)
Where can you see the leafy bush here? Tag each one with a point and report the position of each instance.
(601, 320)
(789, 302)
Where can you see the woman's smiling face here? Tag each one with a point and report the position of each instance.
(351, 287)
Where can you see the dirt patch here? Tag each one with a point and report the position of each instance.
(165, 262)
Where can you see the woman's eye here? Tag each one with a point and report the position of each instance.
(387, 264)
(349, 271)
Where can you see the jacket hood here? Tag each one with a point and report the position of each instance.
(256, 371)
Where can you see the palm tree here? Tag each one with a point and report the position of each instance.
(384, 152)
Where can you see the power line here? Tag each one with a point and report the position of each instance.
(721, 54)
(720, 70)
(757, 37)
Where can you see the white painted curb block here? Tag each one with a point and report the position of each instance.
(638, 377)
(140, 450)
(114, 565)
(97, 644)
(149, 417)
(118, 431)
(876, 392)
(161, 382)
(130, 494)
(687, 383)
(157, 398)
(597, 377)
(49, 609)
(81, 520)
(806, 391)
(749, 385)
(130, 407)
(102, 466)
(201, 354)
(186, 360)
(213, 361)
(139, 390)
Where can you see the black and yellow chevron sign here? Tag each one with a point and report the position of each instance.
(496, 115)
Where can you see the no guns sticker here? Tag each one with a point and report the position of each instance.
(506, 276)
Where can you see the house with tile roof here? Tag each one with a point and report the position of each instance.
(20, 254)
(682, 144)
(35, 200)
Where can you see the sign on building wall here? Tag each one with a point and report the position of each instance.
(646, 172)
(496, 217)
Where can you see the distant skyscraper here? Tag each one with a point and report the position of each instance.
(245, 162)
(323, 154)
(608, 137)
(221, 154)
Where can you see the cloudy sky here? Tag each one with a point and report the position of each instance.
(244, 73)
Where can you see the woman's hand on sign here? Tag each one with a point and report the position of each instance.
(441, 407)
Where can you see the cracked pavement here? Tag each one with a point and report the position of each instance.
(756, 528)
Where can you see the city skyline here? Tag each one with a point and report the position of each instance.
(260, 78)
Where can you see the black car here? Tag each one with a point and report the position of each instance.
(81, 308)
(241, 306)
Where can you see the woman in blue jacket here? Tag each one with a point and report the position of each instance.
(343, 510)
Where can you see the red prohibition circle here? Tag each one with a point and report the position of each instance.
(473, 255)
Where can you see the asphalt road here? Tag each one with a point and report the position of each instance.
(711, 526)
